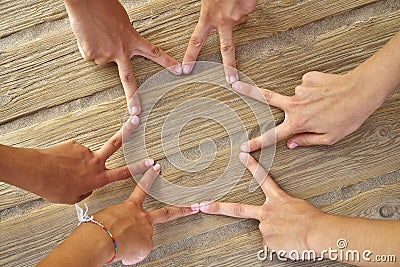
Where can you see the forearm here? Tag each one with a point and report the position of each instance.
(380, 237)
(88, 245)
(381, 73)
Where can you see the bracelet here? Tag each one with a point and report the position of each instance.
(84, 218)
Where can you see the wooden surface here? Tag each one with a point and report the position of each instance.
(52, 95)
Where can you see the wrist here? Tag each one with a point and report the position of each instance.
(323, 232)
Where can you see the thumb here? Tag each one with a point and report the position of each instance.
(306, 139)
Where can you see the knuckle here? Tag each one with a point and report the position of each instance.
(196, 41)
(167, 213)
(267, 95)
(237, 209)
(309, 77)
(227, 48)
(128, 77)
(214, 207)
(155, 51)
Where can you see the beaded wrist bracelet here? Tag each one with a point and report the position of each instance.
(83, 217)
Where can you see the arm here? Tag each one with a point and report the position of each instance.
(220, 15)
(351, 99)
(67, 172)
(105, 34)
(287, 223)
(131, 226)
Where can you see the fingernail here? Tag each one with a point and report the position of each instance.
(178, 69)
(148, 162)
(157, 167)
(236, 86)
(139, 259)
(135, 110)
(232, 79)
(186, 69)
(135, 120)
(243, 156)
(293, 145)
(204, 205)
(195, 207)
(245, 148)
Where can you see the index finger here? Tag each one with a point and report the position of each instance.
(156, 54)
(129, 84)
(262, 95)
(269, 187)
(236, 210)
(170, 213)
(196, 42)
(115, 142)
(228, 53)
(145, 183)
(268, 138)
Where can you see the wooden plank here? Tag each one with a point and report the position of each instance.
(20, 15)
(240, 249)
(94, 125)
(27, 248)
(49, 71)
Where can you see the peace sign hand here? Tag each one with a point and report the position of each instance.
(286, 223)
(132, 226)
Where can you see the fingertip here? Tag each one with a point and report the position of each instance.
(236, 86)
(187, 68)
(149, 162)
(243, 157)
(204, 206)
(157, 167)
(135, 110)
(195, 207)
(135, 120)
(292, 145)
(245, 147)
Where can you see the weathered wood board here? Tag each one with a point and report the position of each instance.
(49, 72)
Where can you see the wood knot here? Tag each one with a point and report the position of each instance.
(387, 211)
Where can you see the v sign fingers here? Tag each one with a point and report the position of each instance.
(170, 213)
(269, 187)
(262, 95)
(143, 187)
(115, 142)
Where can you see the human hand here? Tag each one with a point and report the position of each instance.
(286, 223)
(324, 109)
(69, 172)
(131, 225)
(220, 15)
(105, 34)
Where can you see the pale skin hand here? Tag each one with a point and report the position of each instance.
(220, 15)
(287, 223)
(67, 172)
(129, 223)
(327, 107)
(105, 34)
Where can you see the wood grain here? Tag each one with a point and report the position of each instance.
(20, 15)
(32, 81)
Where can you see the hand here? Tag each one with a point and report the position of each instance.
(220, 15)
(105, 34)
(128, 222)
(286, 223)
(69, 172)
(324, 109)
(132, 226)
